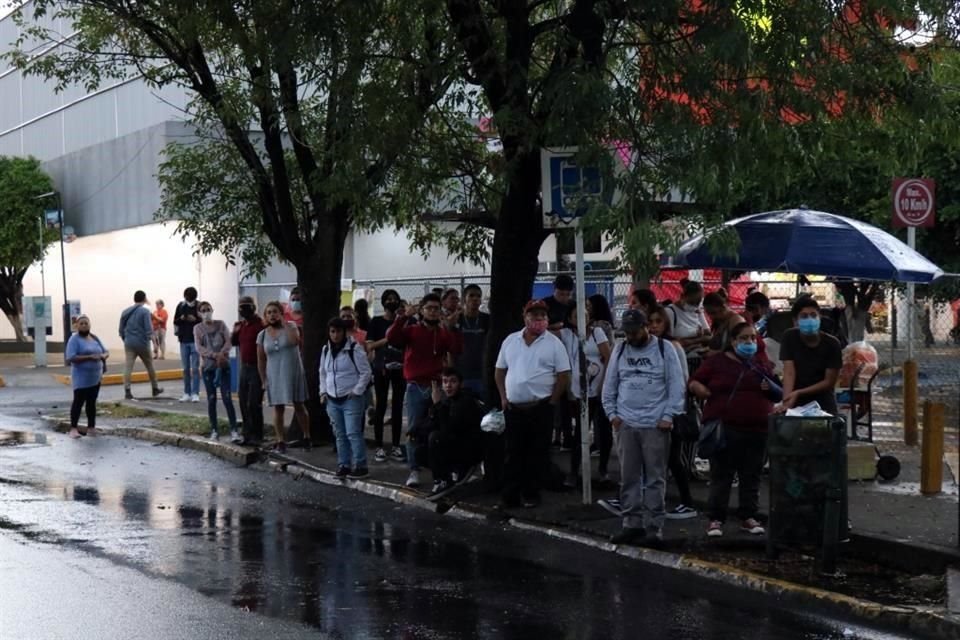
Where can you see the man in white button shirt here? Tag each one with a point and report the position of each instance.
(532, 375)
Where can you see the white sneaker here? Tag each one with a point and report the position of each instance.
(751, 526)
(214, 435)
(413, 480)
(195, 397)
(235, 437)
(715, 529)
(185, 397)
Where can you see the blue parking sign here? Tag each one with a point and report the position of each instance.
(569, 189)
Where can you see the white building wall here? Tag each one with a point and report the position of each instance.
(104, 270)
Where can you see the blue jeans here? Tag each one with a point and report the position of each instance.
(417, 400)
(346, 416)
(190, 361)
(213, 379)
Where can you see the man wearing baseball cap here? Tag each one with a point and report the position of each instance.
(532, 375)
(642, 391)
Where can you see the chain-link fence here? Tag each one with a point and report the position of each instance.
(935, 338)
(934, 346)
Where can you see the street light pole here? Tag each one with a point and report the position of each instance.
(63, 267)
(63, 264)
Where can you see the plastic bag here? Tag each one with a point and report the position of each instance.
(494, 422)
(855, 356)
(809, 410)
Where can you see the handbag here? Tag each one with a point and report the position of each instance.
(711, 440)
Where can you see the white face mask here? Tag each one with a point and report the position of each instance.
(207, 316)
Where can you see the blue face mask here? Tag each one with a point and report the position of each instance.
(746, 349)
(808, 326)
(295, 306)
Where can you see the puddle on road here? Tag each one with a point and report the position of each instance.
(13, 438)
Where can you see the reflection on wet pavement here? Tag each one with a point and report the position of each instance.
(11, 438)
(354, 567)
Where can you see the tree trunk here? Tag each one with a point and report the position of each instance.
(640, 281)
(318, 276)
(17, 324)
(11, 303)
(515, 257)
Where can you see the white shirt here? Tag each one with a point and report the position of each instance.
(685, 321)
(591, 349)
(532, 369)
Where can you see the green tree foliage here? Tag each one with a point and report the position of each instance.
(857, 161)
(21, 241)
(312, 108)
(717, 100)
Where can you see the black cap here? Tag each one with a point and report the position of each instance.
(633, 319)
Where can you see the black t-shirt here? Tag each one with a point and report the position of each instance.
(184, 327)
(470, 360)
(811, 364)
(387, 355)
(556, 310)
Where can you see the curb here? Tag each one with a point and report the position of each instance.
(137, 377)
(925, 622)
(239, 456)
(929, 623)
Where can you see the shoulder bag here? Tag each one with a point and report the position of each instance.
(711, 440)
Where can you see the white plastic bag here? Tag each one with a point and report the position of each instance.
(809, 410)
(494, 422)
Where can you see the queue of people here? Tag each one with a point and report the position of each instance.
(420, 369)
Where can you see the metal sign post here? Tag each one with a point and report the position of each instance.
(568, 191)
(914, 205)
(37, 313)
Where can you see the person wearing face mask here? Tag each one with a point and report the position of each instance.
(811, 359)
(388, 382)
(185, 318)
(426, 348)
(734, 386)
(349, 317)
(87, 358)
(642, 391)
(690, 327)
(250, 391)
(281, 372)
(213, 343)
(532, 375)
(293, 311)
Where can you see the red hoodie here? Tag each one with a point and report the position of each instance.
(425, 348)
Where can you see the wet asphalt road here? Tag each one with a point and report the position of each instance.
(112, 538)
